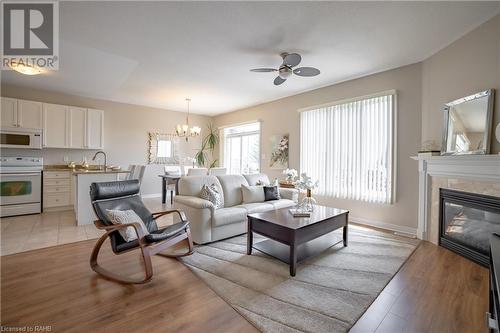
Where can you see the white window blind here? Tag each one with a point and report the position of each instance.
(348, 147)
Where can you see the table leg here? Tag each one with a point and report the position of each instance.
(345, 231)
(163, 190)
(293, 259)
(249, 237)
(171, 197)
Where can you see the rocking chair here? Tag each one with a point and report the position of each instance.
(124, 195)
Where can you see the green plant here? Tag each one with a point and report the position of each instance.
(208, 145)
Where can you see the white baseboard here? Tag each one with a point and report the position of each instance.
(150, 196)
(383, 225)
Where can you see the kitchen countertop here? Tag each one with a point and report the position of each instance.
(78, 171)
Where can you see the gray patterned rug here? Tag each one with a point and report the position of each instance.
(328, 294)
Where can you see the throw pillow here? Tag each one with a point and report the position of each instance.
(124, 217)
(252, 193)
(271, 193)
(211, 194)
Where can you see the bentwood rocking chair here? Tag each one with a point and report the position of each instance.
(124, 195)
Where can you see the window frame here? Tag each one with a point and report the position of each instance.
(223, 145)
(394, 164)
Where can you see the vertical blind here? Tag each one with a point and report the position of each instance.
(349, 148)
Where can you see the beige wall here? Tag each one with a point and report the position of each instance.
(126, 130)
(468, 65)
(281, 116)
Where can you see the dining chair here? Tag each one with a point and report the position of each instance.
(217, 171)
(197, 172)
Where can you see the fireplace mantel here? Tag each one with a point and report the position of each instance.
(473, 167)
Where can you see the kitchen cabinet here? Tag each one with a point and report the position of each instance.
(78, 127)
(21, 113)
(57, 190)
(55, 129)
(9, 112)
(95, 129)
(29, 114)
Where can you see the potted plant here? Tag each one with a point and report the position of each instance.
(306, 183)
(208, 145)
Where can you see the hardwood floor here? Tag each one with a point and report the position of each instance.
(56, 287)
(435, 291)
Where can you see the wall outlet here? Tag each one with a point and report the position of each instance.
(66, 159)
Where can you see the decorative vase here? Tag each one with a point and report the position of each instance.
(307, 204)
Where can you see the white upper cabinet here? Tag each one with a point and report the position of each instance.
(9, 113)
(21, 113)
(55, 129)
(29, 114)
(63, 126)
(95, 129)
(78, 127)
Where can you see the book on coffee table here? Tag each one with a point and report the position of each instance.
(299, 213)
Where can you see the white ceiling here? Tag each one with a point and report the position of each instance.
(159, 53)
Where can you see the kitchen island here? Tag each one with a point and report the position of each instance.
(81, 186)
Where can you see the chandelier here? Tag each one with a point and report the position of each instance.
(184, 131)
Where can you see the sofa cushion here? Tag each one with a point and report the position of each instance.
(211, 194)
(257, 179)
(271, 193)
(281, 203)
(228, 215)
(252, 193)
(191, 185)
(256, 207)
(231, 187)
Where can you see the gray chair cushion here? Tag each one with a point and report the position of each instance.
(231, 187)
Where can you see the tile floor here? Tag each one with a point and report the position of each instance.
(30, 232)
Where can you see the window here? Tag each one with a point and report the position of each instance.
(349, 148)
(242, 148)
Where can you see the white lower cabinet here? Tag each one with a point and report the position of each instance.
(57, 189)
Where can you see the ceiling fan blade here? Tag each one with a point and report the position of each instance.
(278, 80)
(306, 71)
(292, 59)
(263, 70)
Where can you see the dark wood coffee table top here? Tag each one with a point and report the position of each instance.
(284, 218)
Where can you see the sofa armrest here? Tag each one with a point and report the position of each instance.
(289, 193)
(193, 202)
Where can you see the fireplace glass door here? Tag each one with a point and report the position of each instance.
(467, 221)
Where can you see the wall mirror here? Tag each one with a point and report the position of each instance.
(467, 124)
(163, 149)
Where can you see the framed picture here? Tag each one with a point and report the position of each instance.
(279, 151)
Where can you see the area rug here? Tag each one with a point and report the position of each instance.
(328, 294)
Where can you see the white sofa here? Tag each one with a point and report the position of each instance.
(209, 224)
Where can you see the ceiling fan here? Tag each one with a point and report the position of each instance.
(285, 70)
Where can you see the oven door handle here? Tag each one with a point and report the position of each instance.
(19, 174)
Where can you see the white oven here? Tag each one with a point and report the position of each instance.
(21, 138)
(20, 185)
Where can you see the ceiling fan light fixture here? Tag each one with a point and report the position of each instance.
(285, 73)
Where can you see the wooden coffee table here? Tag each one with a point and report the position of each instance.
(293, 239)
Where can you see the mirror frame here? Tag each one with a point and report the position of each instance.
(153, 158)
(488, 126)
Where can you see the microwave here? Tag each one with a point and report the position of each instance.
(27, 138)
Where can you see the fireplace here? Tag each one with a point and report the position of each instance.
(466, 221)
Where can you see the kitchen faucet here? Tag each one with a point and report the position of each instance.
(105, 158)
